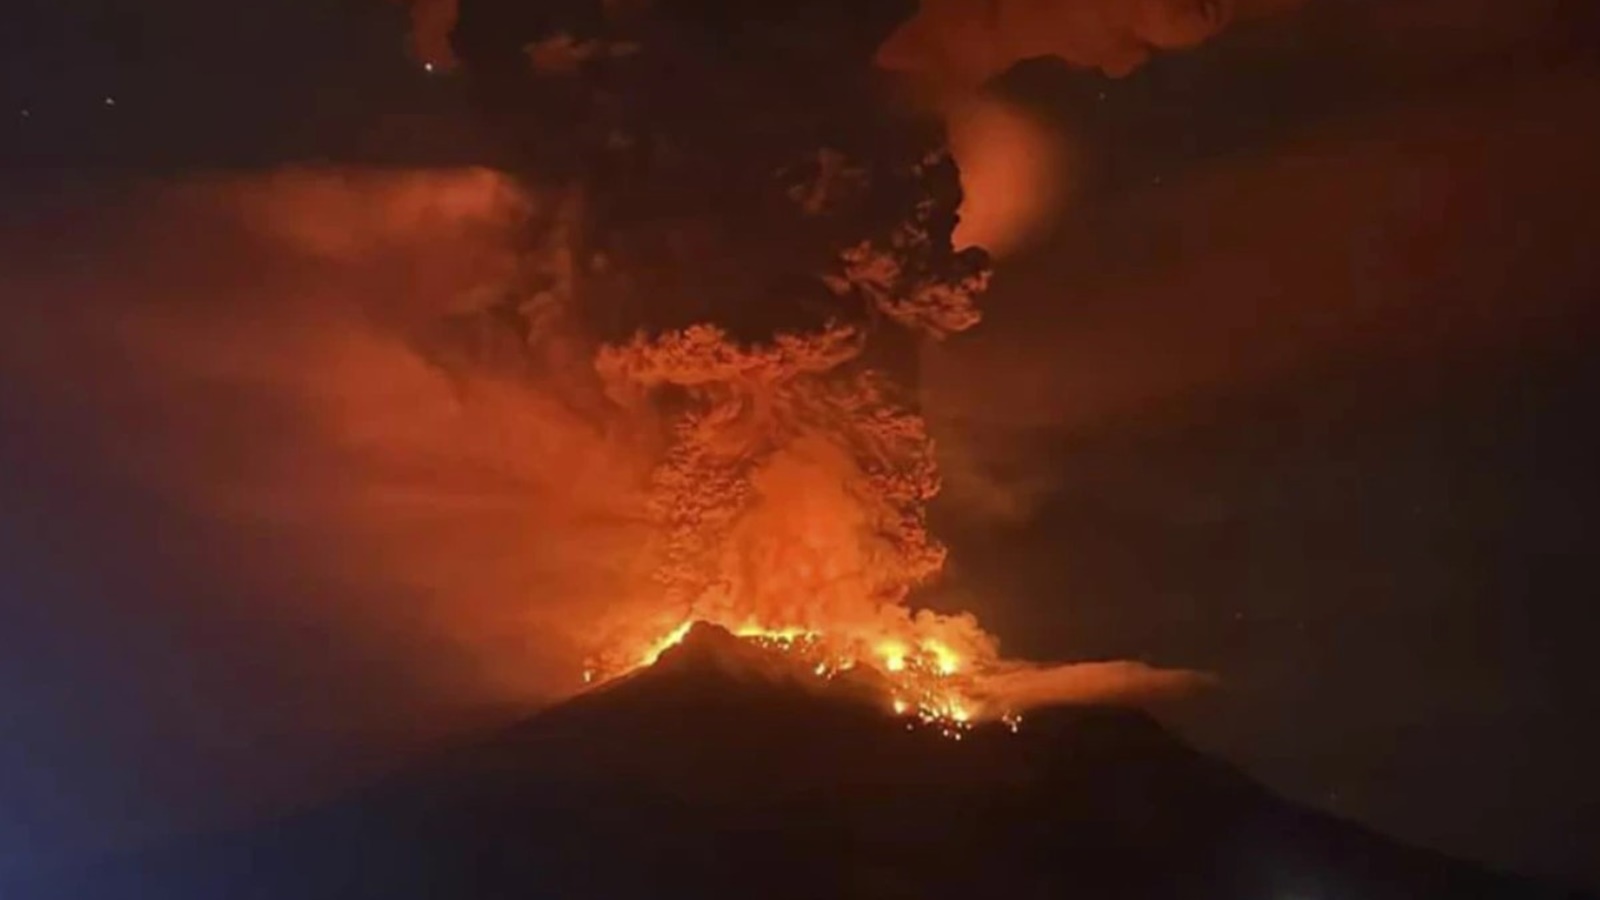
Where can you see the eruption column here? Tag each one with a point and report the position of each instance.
(760, 243)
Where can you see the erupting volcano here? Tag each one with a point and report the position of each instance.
(625, 426)
(754, 243)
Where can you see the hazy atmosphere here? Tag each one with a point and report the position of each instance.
(1277, 416)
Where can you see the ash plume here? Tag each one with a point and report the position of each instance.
(294, 343)
(276, 535)
(1103, 683)
(432, 22)
(961, 44)
(617, 408)
(763, 347)
(490, 429)
(1017, 172)
(1017, 168)
(1378, 274)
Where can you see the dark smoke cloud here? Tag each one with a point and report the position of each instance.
(1220, 277)
(263, 539)
(432, 21)
(1450, 231)
(1422, 32)
(1120, 682)
(1017, 168)
(365, 423)
(960, 44)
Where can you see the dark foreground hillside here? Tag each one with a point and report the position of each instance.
(718, 773)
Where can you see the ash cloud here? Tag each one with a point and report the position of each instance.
(254, 505)
(1017, 167)
(1410, 224)
(961, 44)
(1419, 33)
(432, 22)
(409, 455)
(1120, 682)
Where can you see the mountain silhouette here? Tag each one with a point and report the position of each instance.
(727, 771)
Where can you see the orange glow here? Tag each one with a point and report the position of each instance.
(778, 488)
(432, 21)
(671, 639)
(513, 546)
(789, 508)
(1015, 172)
(964, 43)
(893, 656)
(924, 685)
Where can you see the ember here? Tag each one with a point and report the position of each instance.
(925, 683)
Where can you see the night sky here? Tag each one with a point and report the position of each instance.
(1298, 390)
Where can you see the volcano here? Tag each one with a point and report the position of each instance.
(725, 770)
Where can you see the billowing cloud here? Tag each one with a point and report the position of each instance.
(1016, 171)
(960, 44)
(1449, 232)
(432, 22)
(302, 535)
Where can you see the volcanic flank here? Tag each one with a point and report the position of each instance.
(725, 770)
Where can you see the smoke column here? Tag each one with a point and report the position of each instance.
(792, 470)
(432, 21)
(291, 346)
(448, 428)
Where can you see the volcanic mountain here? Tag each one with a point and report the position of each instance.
(725, 770)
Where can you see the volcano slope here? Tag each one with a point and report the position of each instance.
(727, 771)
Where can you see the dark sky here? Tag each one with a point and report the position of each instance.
(1298, 391)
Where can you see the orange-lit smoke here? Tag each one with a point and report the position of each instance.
(789, 485)
(432, 22)
(790, 502)
(1015, 172)
(1015, 167)
(298, 353)
(302, 356)
(790, 507)
(960, 44)
(957, 45)
(537, 498)
(1019, 687)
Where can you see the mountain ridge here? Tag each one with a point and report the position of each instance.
(724, 771)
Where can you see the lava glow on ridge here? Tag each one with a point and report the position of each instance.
(927, 680)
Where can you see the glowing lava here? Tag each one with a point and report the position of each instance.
(925, 678)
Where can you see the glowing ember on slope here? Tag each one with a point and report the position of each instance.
(927, 683)
(924, 677)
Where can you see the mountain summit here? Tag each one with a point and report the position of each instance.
(723, 771)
